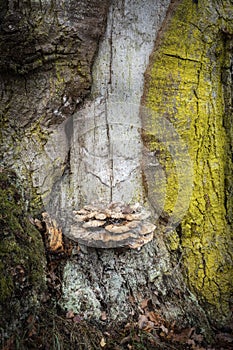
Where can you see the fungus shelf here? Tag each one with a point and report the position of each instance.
(112, 226)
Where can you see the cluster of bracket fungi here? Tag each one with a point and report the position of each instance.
(115, 225)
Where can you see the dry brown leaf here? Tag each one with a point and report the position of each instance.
(153, 317)
(142, 321)
(149, 326)
(54, 234)
(38, 224)
(56, 240)
(31, 325)
(70, 314)
(31, 319)
(144, 303)
(129, 326)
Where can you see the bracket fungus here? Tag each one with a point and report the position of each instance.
(117, 225)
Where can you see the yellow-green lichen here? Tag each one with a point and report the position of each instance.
(184, 85)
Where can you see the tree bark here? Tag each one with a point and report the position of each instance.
(188, 82)
(81, 123)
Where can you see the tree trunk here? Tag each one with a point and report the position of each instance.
(82, 123)
(189, 82)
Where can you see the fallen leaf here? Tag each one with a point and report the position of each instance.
(128, 326)
(38, 224)
(142, 321)
(153, 317)
(164, 329)
(102, 343)
(70, 314)
(149, 326)
(53, 234)
(144, 303)
(31, 325)
(32, 332)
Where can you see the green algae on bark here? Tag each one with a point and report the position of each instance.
(22, 266)
(184, 84)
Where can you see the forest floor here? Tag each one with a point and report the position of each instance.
(53, 329)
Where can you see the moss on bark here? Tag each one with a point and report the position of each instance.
(22, 266)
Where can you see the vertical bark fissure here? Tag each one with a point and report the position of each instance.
(108, 93)
(110, 153)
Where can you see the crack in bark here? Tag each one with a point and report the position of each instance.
(181, 58)
(110, 151)
(109, 141)
(98, 177)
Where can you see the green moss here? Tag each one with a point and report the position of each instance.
(184, 85)
(22, 266)
(6, 284)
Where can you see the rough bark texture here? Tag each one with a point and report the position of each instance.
(188, 83)
(47, 51)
